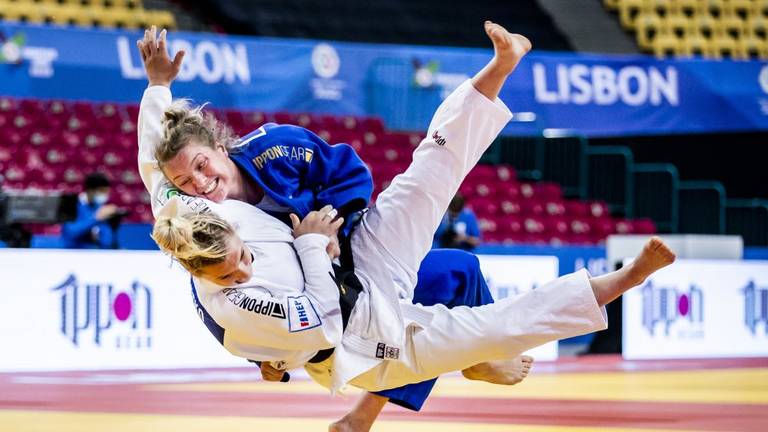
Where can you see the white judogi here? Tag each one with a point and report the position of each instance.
(388, 342)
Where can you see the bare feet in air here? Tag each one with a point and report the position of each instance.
(654, 256)
(362, 416)
(349, 425)
(507, 372)
(509, 48)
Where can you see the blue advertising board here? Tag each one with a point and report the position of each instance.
(589, 94)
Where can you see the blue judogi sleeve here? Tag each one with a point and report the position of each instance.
(451, 277)
(300, 171)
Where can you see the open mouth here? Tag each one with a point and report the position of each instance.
(211, 187)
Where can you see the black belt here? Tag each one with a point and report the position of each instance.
(348, 283)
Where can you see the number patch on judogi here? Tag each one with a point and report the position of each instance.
(301, 314)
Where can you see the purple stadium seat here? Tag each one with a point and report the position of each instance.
(485, 207)
(533, 225)
(372, 124)
(547, 190)
(598, 209)
(554, 207)
(576, 208)
(510, 207)
(557, 226)
(580, 226)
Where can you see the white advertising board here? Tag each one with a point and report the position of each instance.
(699, 309)
(91, 310)
(508, 276)
(100, 310)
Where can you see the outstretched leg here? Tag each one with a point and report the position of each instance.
(569, 306)
(398, 229)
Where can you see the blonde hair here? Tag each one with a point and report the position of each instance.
(196, 240)
(183, 122)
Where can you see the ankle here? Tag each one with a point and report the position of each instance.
(634, 275)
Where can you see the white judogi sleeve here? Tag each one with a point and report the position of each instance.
(154, 102)
(261, 313)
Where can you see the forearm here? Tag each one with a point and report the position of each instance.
(319, 282)
(155, 101)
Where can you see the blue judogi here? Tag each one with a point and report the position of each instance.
(301, 172)
(460, 283)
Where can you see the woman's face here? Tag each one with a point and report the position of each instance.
(202, 171)
(236, 267)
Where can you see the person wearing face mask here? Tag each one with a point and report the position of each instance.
(95, 226)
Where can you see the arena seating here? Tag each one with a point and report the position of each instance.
(86, 13)
(427, 22)
(63, 141)
(683, 28)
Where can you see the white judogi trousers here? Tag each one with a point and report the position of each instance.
(394, 237)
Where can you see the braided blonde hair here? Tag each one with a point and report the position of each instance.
(196, 240)
(182, 122)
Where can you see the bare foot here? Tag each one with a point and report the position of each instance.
(508, 372)
(654, 256)
(362, 416)
(347, 424)
(509, 48)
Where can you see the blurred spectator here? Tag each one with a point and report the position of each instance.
(97, 222)
(459, 228)
(11, 234)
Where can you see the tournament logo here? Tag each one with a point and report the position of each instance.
(667, 305)
(14, 50)
(427, 75)
(424, 75)
(755, 307)
(100, 314)
(763, 79)
(325, 61)
(326, 64)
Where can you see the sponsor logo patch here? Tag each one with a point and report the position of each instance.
(387, 352)
(257, 306)
(280, 151)
(438, 139)
(301, 314)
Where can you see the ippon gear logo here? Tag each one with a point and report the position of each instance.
(263, 307)
(98, 313)
(667, 305)
(281, 151)
(755, 307)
